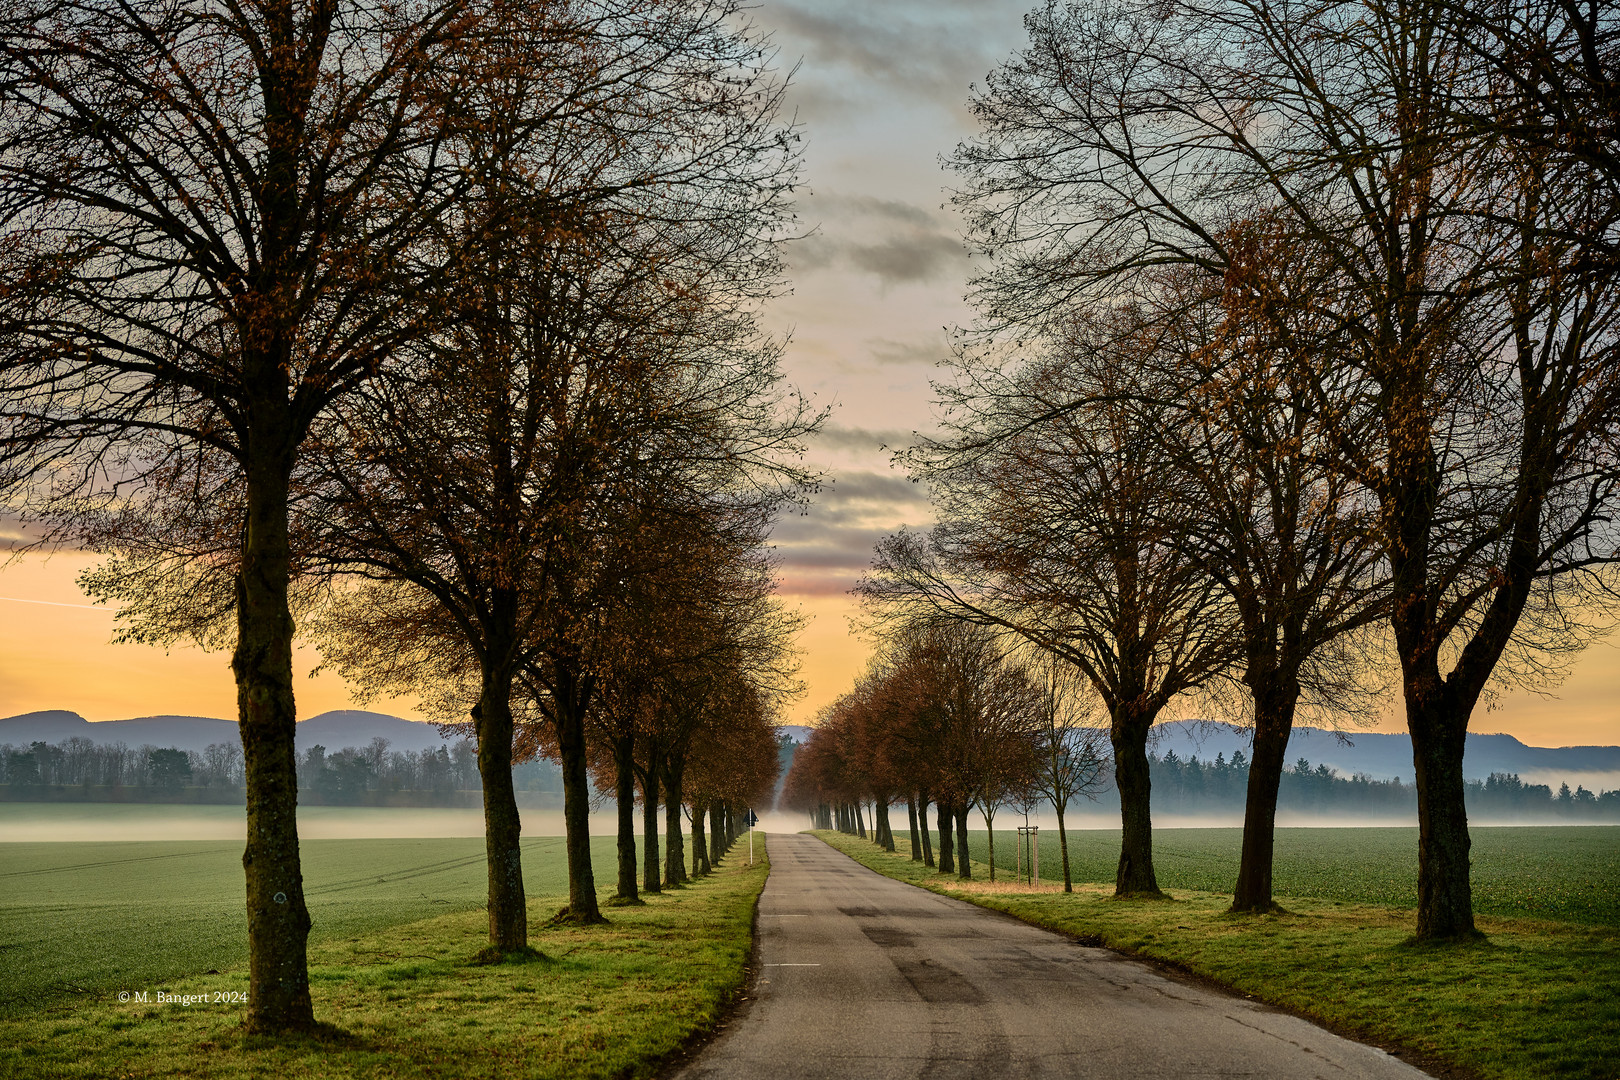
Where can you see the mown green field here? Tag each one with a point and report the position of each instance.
(412, 1001)
(1569, 873)
(84, 919)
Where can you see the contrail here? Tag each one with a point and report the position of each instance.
(53, 603)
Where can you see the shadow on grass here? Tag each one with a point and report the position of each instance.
(1474, 940)
(566, 917)
(321, 1037)
(494, 954)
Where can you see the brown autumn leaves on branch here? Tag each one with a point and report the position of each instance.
(430, 323)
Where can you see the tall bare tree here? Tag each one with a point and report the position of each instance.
(1457, 339)
(210, 213)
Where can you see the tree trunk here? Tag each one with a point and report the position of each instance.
(911, 819)
(650, 878)
(923, 830)
(1129, 736)
(624, 791)
(570, 698)
(880, 810)
(990, 836)
(492, 721)
(1445, 896)
(700, 845)
(860, 822)
(717, 826)
(1273, 723)
(947, 856)
(964, 860)
(674, 842)
(278, 919)
(1063, 844)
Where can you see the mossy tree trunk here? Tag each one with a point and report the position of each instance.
(1128, 733)
(964, 861)
(911, 820)
(278, 917)
(492, 722)
(1274, 702)
(571, 694)
(700, 846)
(674, 843)
(624, 793)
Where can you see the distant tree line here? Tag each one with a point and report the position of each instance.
(80, 763)
(79, 769)
(1190, 785)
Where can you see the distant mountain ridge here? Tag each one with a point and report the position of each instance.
(1380, 755)
(334, 730)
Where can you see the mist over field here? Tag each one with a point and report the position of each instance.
(83, 822)
(87, 822)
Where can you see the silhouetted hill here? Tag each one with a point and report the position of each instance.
(334, 730)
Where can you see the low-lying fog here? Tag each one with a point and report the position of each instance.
(50, 822)
(55, 822)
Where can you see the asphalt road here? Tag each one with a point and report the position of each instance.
(864, 977)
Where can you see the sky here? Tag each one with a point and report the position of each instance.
(879, 91)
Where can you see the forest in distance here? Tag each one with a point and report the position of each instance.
(79, 770)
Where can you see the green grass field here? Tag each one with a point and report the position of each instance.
(82, 919)
(1569, 873)
(1540, 997)
(409, 1000)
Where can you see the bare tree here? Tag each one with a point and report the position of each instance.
(1071, 757)
(209, 213)
(1265, 510)
(1051, 498)
(1455, 341)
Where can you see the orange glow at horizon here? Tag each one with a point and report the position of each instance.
(61, 657)
(56, 652)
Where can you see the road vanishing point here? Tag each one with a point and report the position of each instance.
(861, 976)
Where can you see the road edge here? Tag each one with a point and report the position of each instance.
(735, 1005)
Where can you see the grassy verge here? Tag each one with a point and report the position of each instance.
(1537, 999)
(409, 1001)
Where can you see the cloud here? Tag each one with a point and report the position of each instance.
(897, 242)
(16, 534)
(825, 550)
(897, 353)
(925, 49)
(860, 440)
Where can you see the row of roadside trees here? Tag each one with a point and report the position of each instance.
(1296, 364)
(426, 331)
(946, 716)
